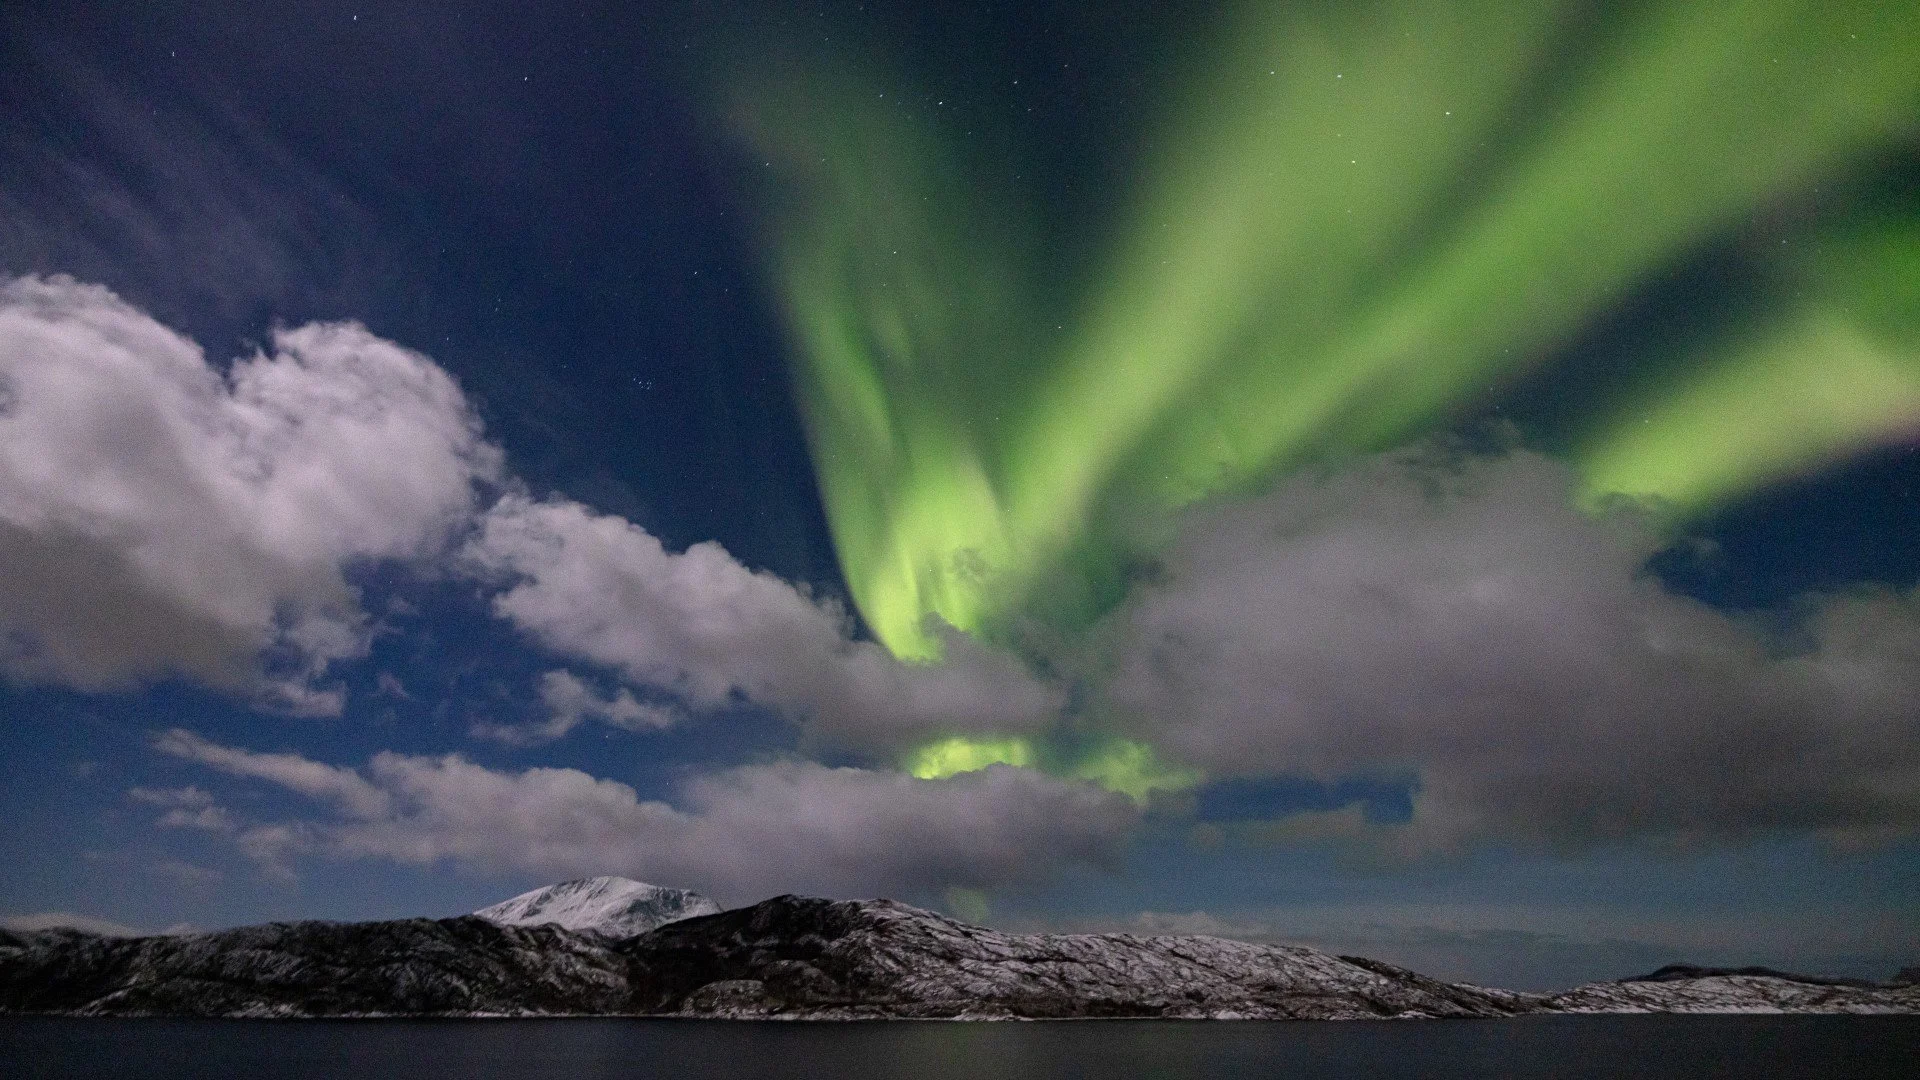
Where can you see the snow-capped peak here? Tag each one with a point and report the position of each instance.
(613, 906)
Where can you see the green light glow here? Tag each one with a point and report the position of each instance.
(1357, 218)
(951, 757)
(1311, 157)
(1804, 396)
(911, 333)
(1360, 217)
(1636, 167)
(1838, 374)
(1130, 768)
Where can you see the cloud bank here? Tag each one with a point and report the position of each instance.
(160, 516)
(35, 922)
(742, 833)
(1459, 621)
(703, 626)
(1413, 614)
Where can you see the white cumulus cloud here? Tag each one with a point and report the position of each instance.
(742, 833)
(700, 624)
(162, 516)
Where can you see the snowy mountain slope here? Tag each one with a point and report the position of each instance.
(802, 958)
(406, 967)
(789, 957)
(1754, 990)
(614, 907)
(798, 956)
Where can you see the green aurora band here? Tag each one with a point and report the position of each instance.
(1359, 220)
(1121, 765)
(1834, 370)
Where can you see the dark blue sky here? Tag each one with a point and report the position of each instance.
(543, 202)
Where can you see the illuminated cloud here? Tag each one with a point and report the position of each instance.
(743, 833)
(160, 516)
(702, 626)
(1456, 620)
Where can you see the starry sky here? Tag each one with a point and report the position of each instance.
(1433, 480)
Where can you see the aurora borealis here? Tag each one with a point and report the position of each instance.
(1832, 368)
(1354, 223)
(1437, 481)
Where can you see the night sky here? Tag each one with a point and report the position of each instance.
(1433, 480)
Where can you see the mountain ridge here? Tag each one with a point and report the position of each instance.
(794, 957)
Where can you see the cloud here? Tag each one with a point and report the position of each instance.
(570, 702)
(187, 808)
(198, 211)
(743, 833)
(186, 798)
(1459, 621)
(699, 624)
(343, 787)
(53, 920)
(159, 516)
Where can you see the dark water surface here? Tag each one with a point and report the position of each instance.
(1539, 1046)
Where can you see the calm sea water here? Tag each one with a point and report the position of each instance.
(1546, 1046)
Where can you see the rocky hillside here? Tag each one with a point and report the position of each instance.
(464, 966)
(801, 958)
(1686, 989)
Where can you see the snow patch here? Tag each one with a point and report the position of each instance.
(610, 906)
